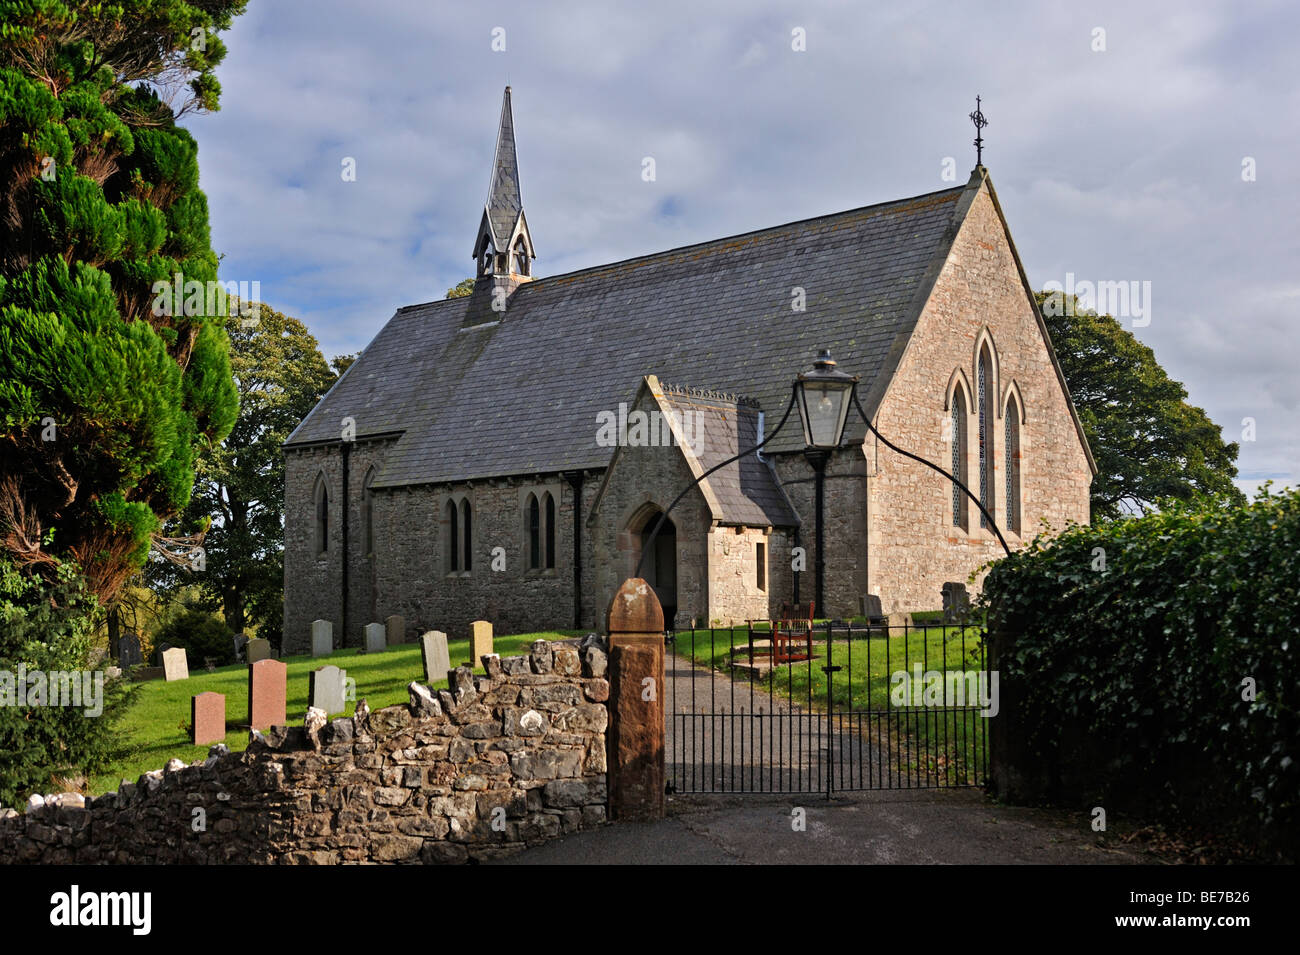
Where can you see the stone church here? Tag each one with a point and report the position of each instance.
(504, 455)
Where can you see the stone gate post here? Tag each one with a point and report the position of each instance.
(635, 745)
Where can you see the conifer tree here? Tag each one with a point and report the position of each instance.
(111, 385)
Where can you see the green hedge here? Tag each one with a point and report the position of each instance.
(46, 625)
(1126, 647)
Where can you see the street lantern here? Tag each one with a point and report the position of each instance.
(824, 396)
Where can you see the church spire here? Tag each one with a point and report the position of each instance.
(504, 247)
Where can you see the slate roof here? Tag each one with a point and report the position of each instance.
(745, 492)
(522, 395)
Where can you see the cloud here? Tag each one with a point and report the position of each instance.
(1116, 165)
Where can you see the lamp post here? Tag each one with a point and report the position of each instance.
(823, 397)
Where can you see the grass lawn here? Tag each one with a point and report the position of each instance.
(158, 720)
(926, 740)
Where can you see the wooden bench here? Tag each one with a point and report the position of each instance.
(792, 633)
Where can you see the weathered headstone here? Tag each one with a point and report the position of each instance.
(267, 686)
(128, 651)
(376, 639)
(871, 608)
(956, 603)
(240, 640)
(434, 655)
(326, 689)
(207, 718)
(258, 649)
(322, 638)
(176, 665)
(395, 629)
(480, 641)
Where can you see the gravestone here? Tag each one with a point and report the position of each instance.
(899, 623)
(159, 651)
(258, 649)
(267, 685)
(395, 629)
(176, 665)
(240, 640)
(480, 641)
(207, 718)
(871, 608)
(322, 638)
(327, 689)
(128, 651)
(434, 655)
(376, 639)
(955, 602)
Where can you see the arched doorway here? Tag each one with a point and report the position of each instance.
(660, 568)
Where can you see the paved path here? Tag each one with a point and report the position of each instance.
(876, 828)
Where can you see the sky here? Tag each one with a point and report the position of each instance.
(1138, 143)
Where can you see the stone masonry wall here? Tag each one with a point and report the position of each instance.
(412, 575)
(734, 593)
(498, 763)
(313, 582)
(407, 573)
(914, 546)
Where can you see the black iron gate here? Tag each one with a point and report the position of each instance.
(836, 707)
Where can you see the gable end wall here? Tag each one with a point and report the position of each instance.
(913, 547)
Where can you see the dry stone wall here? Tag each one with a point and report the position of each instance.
(484, 769)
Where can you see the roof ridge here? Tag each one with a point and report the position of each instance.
(947, 194)
(435, 301)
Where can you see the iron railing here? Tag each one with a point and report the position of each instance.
(843, 706)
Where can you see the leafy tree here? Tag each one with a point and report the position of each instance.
(202, 634)
(1148, 442)
(462, 290)
(280, 375)
(110, 386)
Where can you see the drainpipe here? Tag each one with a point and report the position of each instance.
(818, 461)
(795, 573)
(575, 481)
(346, 448)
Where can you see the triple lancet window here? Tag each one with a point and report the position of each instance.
(986, 453)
